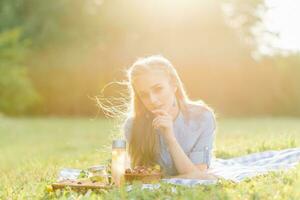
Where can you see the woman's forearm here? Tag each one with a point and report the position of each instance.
(183, 164)
(196, 175)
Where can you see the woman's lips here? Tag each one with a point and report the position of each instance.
(157, 108)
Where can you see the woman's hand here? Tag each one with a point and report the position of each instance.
(164, 122)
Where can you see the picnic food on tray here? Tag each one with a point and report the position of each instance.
(98, 174)
(94, 177)
(143, 174)
(111, 174)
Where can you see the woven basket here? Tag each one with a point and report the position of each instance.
(144, 178)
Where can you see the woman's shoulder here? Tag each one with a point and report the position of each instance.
(200, 113)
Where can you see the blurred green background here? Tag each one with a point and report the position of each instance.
(55, 55)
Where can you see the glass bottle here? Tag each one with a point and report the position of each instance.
(118, 161)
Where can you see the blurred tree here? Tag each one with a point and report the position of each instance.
(79, 46)
(17, 94)
(243, 17)
(289, 95)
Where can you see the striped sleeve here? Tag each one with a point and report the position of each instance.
(202, 151)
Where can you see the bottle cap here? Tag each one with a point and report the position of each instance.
(119, 143)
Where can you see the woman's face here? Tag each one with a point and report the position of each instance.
(155, 90)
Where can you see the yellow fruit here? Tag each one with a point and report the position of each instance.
(157, 167)
(49, 188)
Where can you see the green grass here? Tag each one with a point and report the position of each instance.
(32, 151)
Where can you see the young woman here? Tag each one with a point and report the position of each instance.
(163, 125)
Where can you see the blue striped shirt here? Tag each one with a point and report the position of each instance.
(196, 137)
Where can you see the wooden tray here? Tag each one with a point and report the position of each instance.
(80, 185)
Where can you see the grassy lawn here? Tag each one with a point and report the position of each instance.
(32, 151)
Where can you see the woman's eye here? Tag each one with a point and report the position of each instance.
(157, 89)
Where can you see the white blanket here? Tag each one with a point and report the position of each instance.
(234, 169)
(239, 168)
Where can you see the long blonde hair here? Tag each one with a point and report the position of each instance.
(144, 143)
